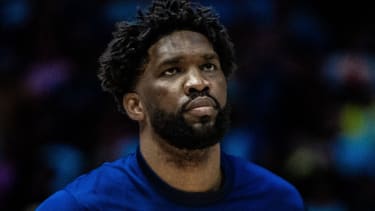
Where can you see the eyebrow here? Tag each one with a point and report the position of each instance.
(171, 61)
(210, 56)
(177, 59)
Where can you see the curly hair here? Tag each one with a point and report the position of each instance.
(121, 63)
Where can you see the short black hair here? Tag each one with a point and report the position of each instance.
(121, 63)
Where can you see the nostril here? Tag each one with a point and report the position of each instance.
(193, 93)
(193, 89)
(196, 84)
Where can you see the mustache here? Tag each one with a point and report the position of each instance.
(203, 93)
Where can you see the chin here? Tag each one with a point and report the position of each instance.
(203, 126)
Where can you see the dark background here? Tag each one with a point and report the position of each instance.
(303, 95)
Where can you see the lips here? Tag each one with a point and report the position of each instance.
(200, 102)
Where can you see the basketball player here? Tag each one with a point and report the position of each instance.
(168, 71)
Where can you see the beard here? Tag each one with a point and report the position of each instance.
(178, 133)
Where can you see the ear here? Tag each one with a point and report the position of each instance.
(133, 106)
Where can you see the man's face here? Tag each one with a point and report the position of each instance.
(184, 91)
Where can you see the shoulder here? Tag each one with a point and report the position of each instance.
(61, 200)
(99, 185)
(108, 174)
(255, 181)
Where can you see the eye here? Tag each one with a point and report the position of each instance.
(171, 71)
(208, 67)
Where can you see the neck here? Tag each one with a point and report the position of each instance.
(186, 170)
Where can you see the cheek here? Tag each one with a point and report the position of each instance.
(221, 91)
(163, 96)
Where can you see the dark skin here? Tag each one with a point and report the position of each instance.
(180, 63)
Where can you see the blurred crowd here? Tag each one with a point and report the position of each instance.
(302, 97)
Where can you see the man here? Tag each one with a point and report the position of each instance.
(168, 71)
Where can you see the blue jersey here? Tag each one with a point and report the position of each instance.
(130, 184)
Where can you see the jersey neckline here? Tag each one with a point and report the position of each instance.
(189, 198)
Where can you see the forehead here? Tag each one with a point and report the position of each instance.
(181, 43)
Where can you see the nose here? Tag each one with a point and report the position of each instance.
(195, 82)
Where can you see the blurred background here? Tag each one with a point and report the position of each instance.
(303, 95)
